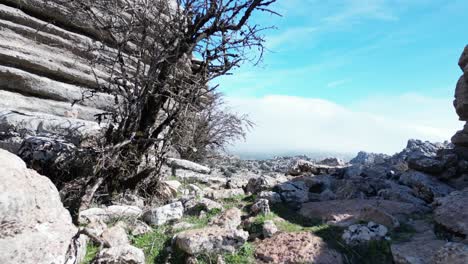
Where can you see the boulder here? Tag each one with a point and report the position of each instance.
(365, 158)
(451, 212)
(453, 253)
(425, 186)
(125, 254)
(109, 213)
(231, 219)
(261, 206)
(428, 165)
(116, 235)
(416, 251)
(347, 212)
(303, 247)
(35, 227)
(138, 228)
(269, 228)
(213, 239)
(163, 214)
(294, 192)
(272, 197)
(258, 184)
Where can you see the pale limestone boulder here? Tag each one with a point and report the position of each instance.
(163, 214)
(116, 235)
(125, 254)
(230, 219)
(213, 239)
(36, 228)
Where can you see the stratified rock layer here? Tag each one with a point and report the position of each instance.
(45, 73)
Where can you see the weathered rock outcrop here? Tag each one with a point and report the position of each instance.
(44, 70)
(34, 225)
(461, 101)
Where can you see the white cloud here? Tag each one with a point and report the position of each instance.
(296, 124)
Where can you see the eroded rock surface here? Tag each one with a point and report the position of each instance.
(302, 247)
(35, 227)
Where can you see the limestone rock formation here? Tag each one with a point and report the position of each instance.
(45, 74)
(461, 101)
(34, 225)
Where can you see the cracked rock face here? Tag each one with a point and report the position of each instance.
(35, 227)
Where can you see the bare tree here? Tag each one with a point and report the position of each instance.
(160, 56)
(204, 134)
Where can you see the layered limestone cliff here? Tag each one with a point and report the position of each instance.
(44, 73)
(461, 101)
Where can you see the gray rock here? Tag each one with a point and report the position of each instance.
(294, 192)
(125, 254)
(365, 158)
(36, 228)
(463, 61)
(425, 186)
(231, 219)
(139, 228)
(213, 239)
(163, 214)
(269, 228)
(451, 212)
(224, 194)
(453, 253)
(195, 205)
(359, 234)
(109, 213)
(116, 235)
(258, 184)
(428, 165)
(261, 206)
(272, 197)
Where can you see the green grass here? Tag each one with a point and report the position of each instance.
(200, 222)
(91, 252)
(238, 201)
(154, 243)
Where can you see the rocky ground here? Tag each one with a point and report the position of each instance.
(405, 208)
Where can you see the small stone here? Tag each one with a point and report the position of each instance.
(269, 228)
(125, 254)
(261, 207)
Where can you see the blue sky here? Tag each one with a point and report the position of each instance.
(338, 65)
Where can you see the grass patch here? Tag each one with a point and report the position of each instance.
(91, 251)
(200, 222)
(153, 244)
(238, 201)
